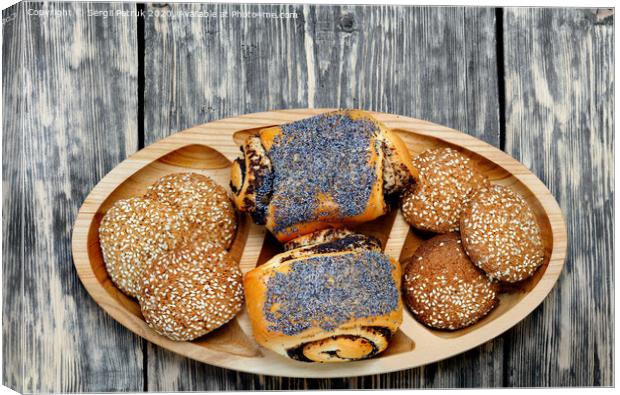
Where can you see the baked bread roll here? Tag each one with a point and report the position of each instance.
(326, 171)
(325, 307)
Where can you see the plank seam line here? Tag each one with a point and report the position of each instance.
(140, 31)
(501, 87)
(140, 38)
(465, 61)
(22, 55)
(501, 98)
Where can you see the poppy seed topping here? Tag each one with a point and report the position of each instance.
(325, 155)
(330, 290)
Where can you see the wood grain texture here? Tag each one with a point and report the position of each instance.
(432, 63)
(13, 329)
(559, 122)
(70, 116)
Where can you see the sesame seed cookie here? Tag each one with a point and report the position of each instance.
(205, 204)
(501, 235)
(446, 179)
(190, 292)
(132, 233)
(443, 288)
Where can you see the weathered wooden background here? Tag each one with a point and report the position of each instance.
(83, 91)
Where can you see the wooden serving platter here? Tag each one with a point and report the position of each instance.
(210, 148)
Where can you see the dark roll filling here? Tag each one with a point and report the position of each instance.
(318, 237)
(396, 176)
(353, 242)
(263, 183)
(298, 352)
(239, 162)
(260, 186)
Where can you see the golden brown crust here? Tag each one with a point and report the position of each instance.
(190, 292)
(202, 201)
(445, 182)
(268, 135)
(309, 330)
(402, 157)
(132, 233)
(501, 234)
(443, 288)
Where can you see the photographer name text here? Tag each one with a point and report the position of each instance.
(160, 13)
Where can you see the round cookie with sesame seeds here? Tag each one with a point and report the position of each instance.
(202, 201)
(190, 292)
(443, 288)
(132, 233)
(446, 179)
(501, 234)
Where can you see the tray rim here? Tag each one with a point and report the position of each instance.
(203, 135)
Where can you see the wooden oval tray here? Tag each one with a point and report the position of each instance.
(210, 148)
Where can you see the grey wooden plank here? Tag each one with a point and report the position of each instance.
(559, 123)
(482, 90)
(70, 117)
(201, 69)
(12, 205)
(432, 63)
